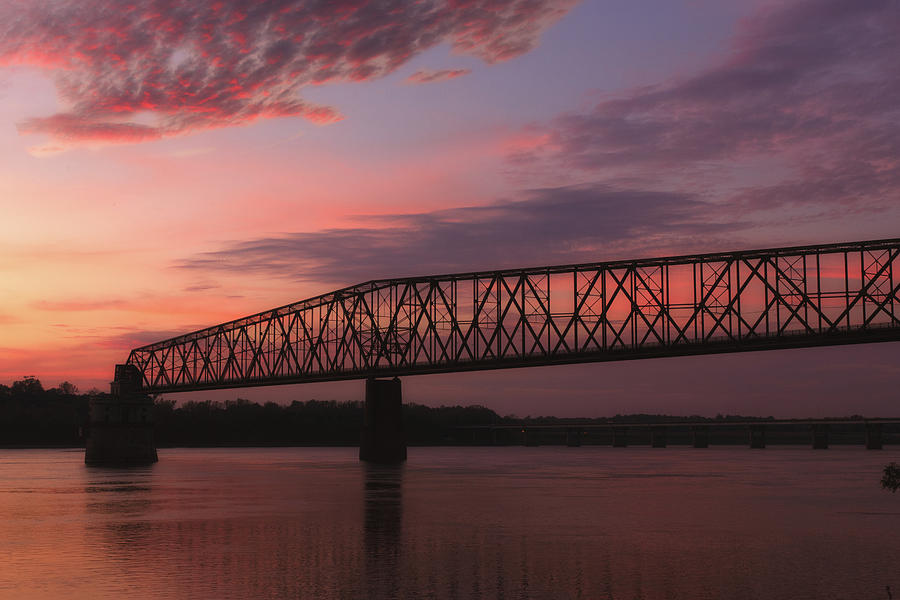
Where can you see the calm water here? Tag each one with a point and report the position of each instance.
(593, 523)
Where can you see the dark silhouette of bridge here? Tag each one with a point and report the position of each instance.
(697, 304)
(683, 305)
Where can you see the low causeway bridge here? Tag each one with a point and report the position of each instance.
(699, 434)
(382, 330)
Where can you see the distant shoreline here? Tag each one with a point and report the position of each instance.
(727, 444)
(34, 418)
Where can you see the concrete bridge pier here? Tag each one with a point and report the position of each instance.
(573, 437)
(620, 437)
(873, 436)
(383, 436)
(700, 433)
(659, 436)
(121, 425)
(757, 436)
(820, 437)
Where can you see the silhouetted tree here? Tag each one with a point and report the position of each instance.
(28, 385)
(890, 479)
(66, 388)
(31, 415)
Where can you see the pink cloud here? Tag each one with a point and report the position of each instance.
(70, 127)
(429, 76)
(188, 66)
(79, 305)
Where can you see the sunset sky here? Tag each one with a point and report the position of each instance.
(166, 165)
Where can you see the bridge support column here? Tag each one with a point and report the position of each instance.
(700, 434)
(658, 436)
(573, 437)
(383, 437)
(121, 425)
(531, 437)
(873, 436)
(820, 437)
(620, 437)
(757, 436)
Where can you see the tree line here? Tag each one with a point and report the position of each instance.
(31, 415)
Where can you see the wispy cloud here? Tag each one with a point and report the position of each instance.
(200, 287)
(133, 338)
(132, 72)
(429, 76)
(80, 305)
(549, 225)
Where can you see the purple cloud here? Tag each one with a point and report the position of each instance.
(815, 84)
(553, 225)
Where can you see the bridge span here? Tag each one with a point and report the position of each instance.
(773, 298)
(696, 304)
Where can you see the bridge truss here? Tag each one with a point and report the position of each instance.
(697, 304)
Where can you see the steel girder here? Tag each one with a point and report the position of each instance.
(698, 304)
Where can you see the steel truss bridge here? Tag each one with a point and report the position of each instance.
(682, 305)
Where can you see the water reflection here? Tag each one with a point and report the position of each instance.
(383, 528)
(108, 493)
(455, 523)
(118, 503)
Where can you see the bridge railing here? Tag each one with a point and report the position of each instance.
(783, 297)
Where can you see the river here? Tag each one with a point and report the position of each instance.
(549, 522)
